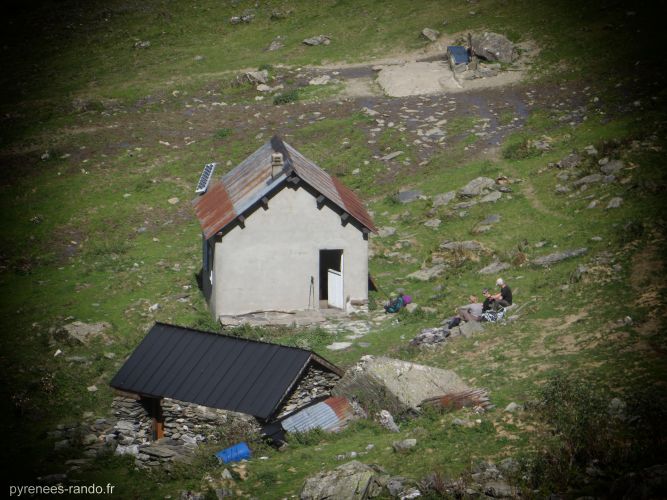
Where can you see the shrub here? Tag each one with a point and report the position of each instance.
(223, 132)
(286, 97)
(591, 431)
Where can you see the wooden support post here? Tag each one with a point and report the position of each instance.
(241, 220)
(344, 218)
(265, 203)
(320, 201)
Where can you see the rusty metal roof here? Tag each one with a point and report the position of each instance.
(250, 180)
(332, 415)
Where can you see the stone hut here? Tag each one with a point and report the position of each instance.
(187, 385)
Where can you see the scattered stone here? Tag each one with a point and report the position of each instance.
(386, 231)
(391, 156)
(433, 223)
(590, 150)
(615, 202)
(491, 219)
(477, 187)
(492, 197)
(320, 80)
(79, 332)
(173, 201)
(91, 388)
(513, 407)
(443, 198)
(428, 273)
(404, 445)
(494, 268)
(588, 179)
(434, 132)
(318, 40)
(458, 246)
(353, 481)
(494, 47)
(412, 307)
(579, 272)
(256, 77)
(430, 34)
(154, 308)
(142, 44)
(461, 423)
(560, 189)
(369, 111)
(553, 258)
(612, 168)
(467, 329)
(387, 421)
(408, 196)
(338, 346)
(276, 44)
(572, 160)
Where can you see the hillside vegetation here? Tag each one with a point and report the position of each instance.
(102, 142)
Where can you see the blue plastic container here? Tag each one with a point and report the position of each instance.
(234, 453)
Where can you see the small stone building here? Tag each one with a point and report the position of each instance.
(281, 234)
(186, 384)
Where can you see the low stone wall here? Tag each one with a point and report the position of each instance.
(315, 384)
(185, 426)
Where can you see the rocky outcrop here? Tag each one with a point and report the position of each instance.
(394, 385)
(494, 47)
(353, 480)
(556, 257)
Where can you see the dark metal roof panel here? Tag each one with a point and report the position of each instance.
(213, 370)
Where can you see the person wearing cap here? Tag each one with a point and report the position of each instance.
(504, 298)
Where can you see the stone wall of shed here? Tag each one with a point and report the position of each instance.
(316, 383)
(187, 423)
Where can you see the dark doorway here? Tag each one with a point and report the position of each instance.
(329, 259)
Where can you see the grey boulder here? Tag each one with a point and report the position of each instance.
(352, 480)
(477, 186)
(494, 47)
(553, 258)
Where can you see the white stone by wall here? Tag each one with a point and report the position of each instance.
(268, 264)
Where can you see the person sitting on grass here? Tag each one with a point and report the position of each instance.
(477, 313)
(504, 298)
(395, 303)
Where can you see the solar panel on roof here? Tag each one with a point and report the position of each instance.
(205, 178)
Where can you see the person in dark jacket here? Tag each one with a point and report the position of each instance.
(504, 298)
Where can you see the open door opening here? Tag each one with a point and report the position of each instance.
(331, 279)
(157, 417)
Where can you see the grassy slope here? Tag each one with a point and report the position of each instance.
(129, 252)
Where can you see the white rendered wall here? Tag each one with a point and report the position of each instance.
(268, 264)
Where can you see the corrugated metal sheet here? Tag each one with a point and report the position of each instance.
(213, 370)
(248, 182)
(332, 415)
